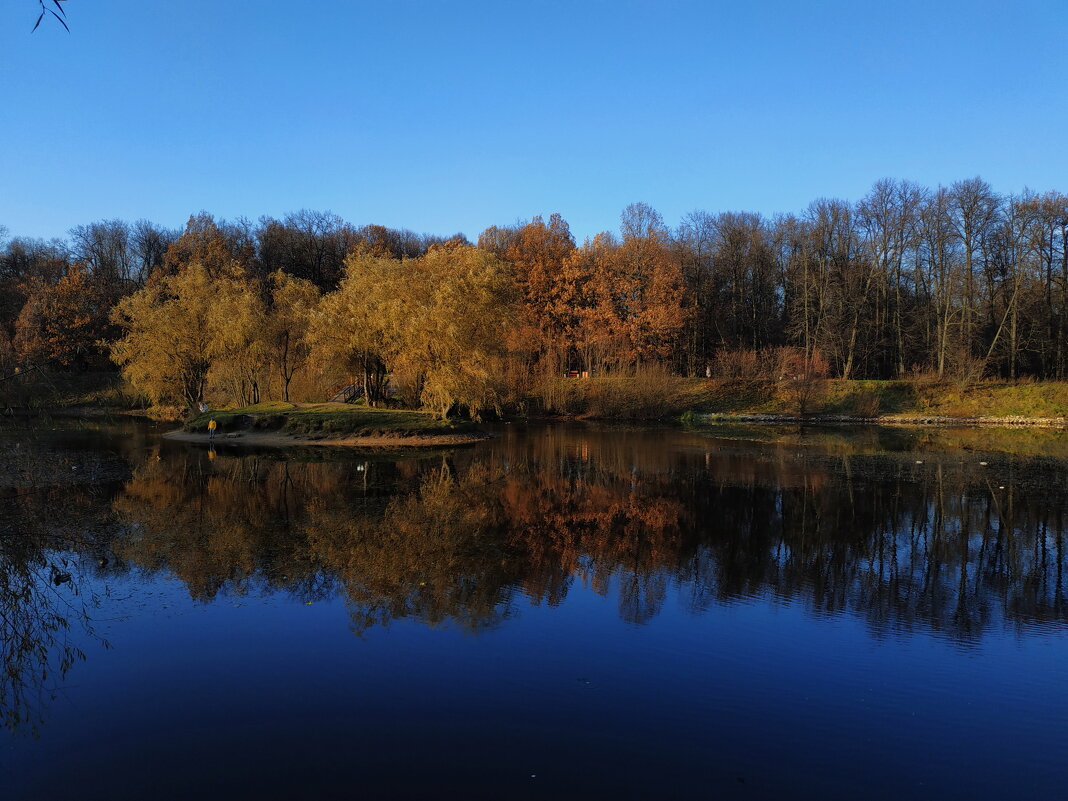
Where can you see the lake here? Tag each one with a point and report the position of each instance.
(564, 611)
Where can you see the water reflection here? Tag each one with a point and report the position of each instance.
(56, 526)
(942, 544)
(947, 541)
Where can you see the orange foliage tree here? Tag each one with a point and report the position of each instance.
(214, 248)
(630, 294)
(63, 324)
(548, 317)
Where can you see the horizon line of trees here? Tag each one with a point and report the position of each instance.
(958, 281)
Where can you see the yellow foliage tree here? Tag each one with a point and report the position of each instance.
(176, 328)
(241, 368)
(285, 327)
(441, 320)
(457, 339)
(352, 327)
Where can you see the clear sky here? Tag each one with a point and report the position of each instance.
(451, 116)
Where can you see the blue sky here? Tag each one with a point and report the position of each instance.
(445, 117)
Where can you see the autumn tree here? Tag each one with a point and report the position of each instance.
(628, 294)
(63, 324)
(441, 321)
(357, 327)
(243, 364)
(24, 264)
(176, 328)
(214, 246)
(458, 338)
(538, 252)
(378, 240)
(286, 323)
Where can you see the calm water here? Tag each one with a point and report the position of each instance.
(562, 612)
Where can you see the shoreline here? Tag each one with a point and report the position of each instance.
(83, 412)
(278, 439)
(904, 420)
(383, 438)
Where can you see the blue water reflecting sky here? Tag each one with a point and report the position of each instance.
(267, 691)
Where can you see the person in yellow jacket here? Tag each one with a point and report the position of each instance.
(212, 425)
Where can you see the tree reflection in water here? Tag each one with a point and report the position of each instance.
(55, 525)
(908, 540)
(457, 539)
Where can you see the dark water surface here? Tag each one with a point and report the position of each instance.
(565, 611)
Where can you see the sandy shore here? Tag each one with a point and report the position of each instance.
(277, 439)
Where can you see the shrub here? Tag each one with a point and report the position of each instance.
(803, 377)
(737, 364)
(556, 394)
(769, 364)
(866, 403)
(646, 395)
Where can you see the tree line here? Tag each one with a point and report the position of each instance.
(960, 282)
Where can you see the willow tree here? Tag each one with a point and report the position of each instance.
(456, 334)
(176, 328)
(441, 321)
(353, 327)
(286, 323)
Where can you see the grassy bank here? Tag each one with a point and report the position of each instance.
(662, 397)
(651, 396)
(321, 420)
(57, 391)
(880, 399)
